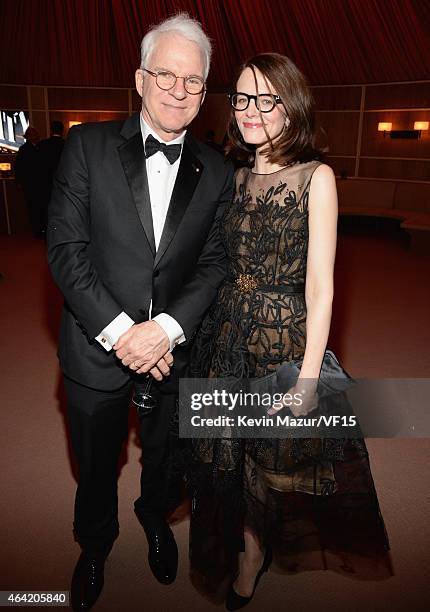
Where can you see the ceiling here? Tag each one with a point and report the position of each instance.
(96, 42)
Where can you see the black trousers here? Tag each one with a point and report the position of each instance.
(98, 423)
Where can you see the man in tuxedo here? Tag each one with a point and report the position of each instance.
(134, 245)
(27, 174)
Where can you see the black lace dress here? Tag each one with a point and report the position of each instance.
(313, 501)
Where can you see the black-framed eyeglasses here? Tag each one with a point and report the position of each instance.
(264, 102)
(166, 80)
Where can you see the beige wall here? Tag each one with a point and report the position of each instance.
(347, 118)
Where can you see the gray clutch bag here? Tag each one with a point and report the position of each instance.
(333, 378)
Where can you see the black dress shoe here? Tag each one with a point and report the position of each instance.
(234, 601)
(87, 581)
(163, 551)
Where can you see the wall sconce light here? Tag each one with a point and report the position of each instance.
(421, 126)
(5, 169)
(72, 123)
(414, 134)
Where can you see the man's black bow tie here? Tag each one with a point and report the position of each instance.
(152, 145)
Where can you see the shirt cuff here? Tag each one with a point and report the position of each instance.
(172, 328)
(111, 333)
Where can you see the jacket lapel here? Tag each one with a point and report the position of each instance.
(132, 156)
(189, 173)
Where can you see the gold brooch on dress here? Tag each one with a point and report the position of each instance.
(246, 283)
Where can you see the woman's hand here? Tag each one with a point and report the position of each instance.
(300, 399)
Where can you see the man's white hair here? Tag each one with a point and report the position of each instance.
(183, 25)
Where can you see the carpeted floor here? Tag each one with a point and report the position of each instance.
(380, 329)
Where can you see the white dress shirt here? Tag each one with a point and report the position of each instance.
(161, 180)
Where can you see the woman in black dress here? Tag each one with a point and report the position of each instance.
(310, 503)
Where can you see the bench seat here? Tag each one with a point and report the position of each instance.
(405, 201)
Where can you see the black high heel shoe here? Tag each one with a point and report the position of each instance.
(234, 601)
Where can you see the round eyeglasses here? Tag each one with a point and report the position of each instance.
(264, 102)
(166, 80)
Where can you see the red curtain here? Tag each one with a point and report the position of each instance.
(96, 42)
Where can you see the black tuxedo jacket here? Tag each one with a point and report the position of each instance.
(101, 244)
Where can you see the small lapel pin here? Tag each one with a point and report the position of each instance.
(196, 168)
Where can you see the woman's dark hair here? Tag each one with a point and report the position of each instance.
(297, 141)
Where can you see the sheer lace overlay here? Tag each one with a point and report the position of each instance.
(312, 500)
